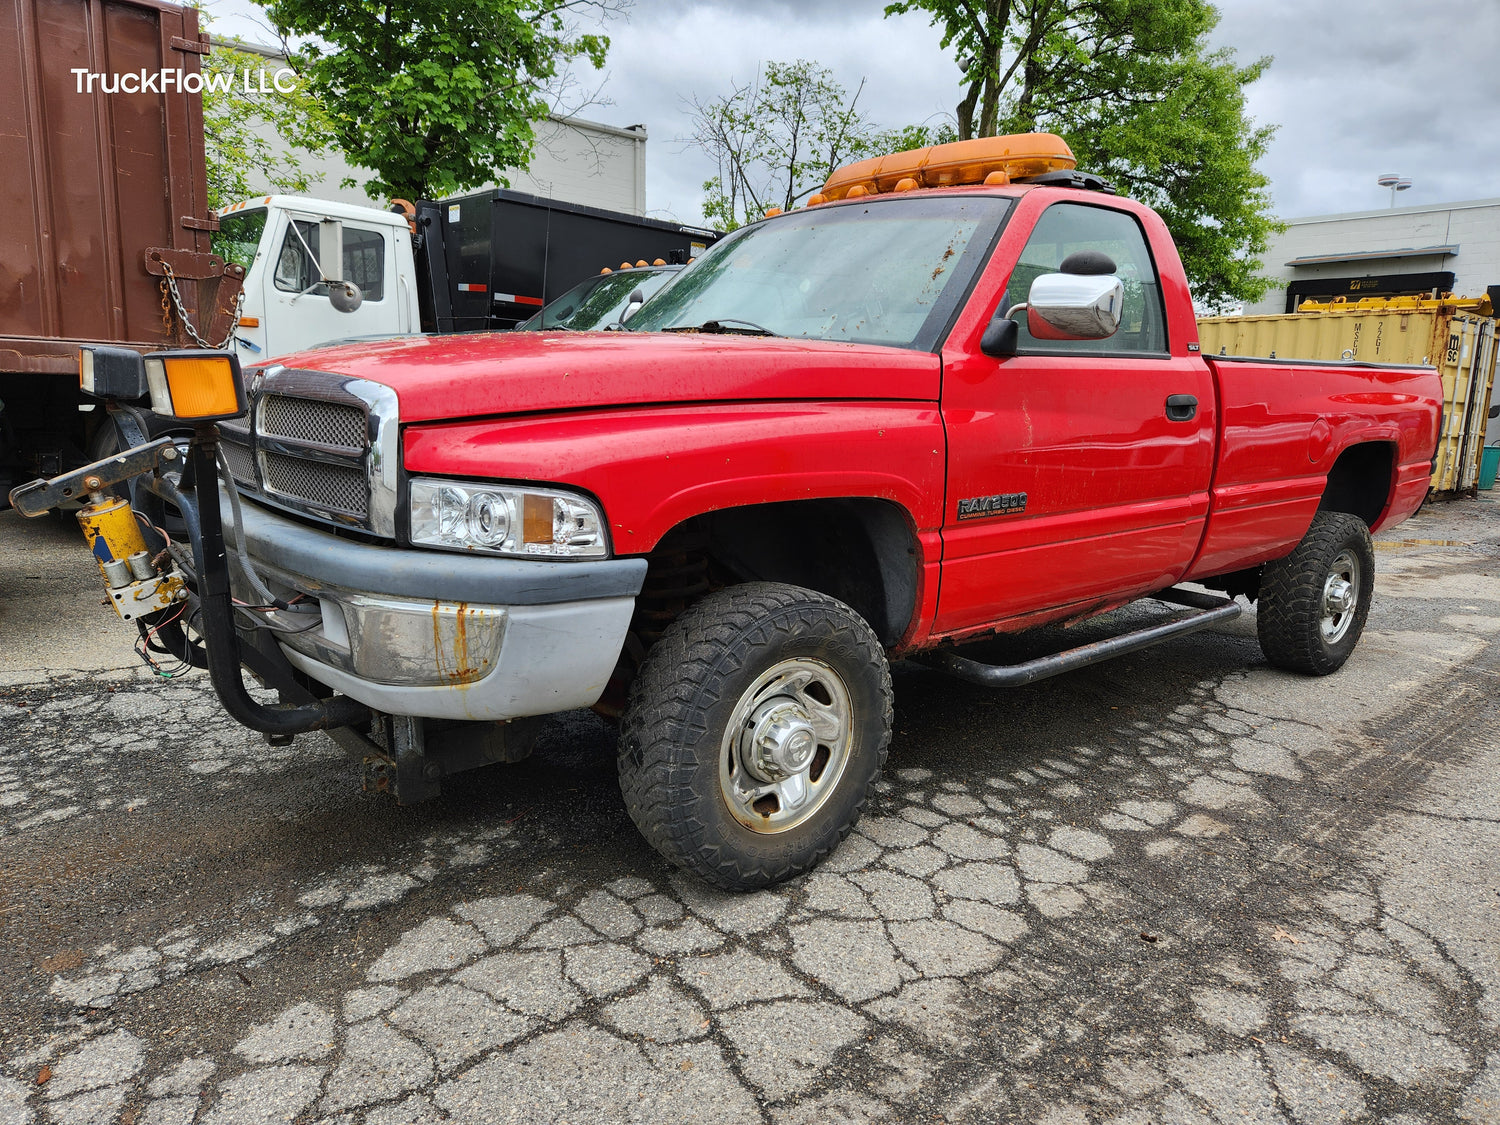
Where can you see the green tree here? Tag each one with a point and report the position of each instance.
(238, 128)
(776, 139)
(1133, 88)
(437, 95)
(908, 137)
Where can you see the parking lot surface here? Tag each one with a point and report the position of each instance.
(1179, 887)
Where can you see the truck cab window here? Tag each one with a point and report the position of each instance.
(1066, 227)
(238, 237)
(364, 261)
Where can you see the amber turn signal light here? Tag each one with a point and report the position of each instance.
(196, 386)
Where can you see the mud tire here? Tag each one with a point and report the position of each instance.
(1296, 628)
(686, 694)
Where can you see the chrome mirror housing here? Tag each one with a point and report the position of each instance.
(1069, 306)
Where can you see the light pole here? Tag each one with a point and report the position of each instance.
(1395, 183)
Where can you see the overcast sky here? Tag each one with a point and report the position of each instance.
(1405, 86)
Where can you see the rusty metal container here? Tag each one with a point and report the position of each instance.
(95, 182)
(104, 193)
(1455, 335)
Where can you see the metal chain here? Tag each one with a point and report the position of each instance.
(171, 282)
(166, 311)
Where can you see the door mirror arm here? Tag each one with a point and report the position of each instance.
(1002, 336)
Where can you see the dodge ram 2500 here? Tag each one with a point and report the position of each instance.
(960, 394)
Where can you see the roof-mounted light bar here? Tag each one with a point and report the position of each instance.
(984, 160)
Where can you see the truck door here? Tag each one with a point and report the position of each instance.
(1071, 481)
(297, 310)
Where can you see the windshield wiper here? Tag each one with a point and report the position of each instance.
(725, 325)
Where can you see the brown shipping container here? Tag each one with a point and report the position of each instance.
(94, 180)
(99, 190)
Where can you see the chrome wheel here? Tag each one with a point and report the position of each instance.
(786, 745)
(1313, 603)
(1340, 597)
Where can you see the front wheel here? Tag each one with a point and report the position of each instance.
(755, 729)
(1313, 603)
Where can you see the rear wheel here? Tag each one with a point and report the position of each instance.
(755, 729)
(1313, 603)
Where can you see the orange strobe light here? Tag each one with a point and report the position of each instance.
(952, 165)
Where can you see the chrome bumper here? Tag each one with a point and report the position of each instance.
(436, 634)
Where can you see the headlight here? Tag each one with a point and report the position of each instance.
(501, 520)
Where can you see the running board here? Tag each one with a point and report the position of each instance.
(1210, 611)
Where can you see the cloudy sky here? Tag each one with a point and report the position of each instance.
(1405, 86)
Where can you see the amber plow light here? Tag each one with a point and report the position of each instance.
(195, 386)
(952, 165)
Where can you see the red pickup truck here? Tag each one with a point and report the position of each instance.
(898, 419)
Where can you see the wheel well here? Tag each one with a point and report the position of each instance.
(861, 551)
(1360, 481)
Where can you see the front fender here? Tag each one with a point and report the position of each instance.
(653, 467)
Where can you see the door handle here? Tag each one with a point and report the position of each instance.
(1181, 408)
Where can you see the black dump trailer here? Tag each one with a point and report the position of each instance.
(492, 259)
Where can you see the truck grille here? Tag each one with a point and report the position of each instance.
(308, 420)
(323, 445)
(241, 460)
(339, 487)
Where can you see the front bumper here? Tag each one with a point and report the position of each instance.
(436, 634)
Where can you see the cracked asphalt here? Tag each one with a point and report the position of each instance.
(1179, 887)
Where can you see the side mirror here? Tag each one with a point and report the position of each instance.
(345, 296)
(331, 251)
(1495, 411)
(1071, 306)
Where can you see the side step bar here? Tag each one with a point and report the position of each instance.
(1209, 611)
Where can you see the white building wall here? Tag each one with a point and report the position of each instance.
(1474, 227)
(575, 161)
(584, 162)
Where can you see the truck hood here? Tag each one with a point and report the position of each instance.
(483, 374)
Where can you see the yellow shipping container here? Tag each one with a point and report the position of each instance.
(1456, 335)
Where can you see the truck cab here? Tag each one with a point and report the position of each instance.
(318, 272)
(282, 241)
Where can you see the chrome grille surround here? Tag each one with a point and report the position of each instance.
(322, 445)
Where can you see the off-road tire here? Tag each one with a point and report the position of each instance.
(1291, 605)
(684, 696)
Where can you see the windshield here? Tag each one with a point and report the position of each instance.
(238, 236)
(888, 271)
(597, 302)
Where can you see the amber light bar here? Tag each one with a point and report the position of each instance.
(981, 160)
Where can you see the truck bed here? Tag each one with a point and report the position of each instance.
(1282, 427)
